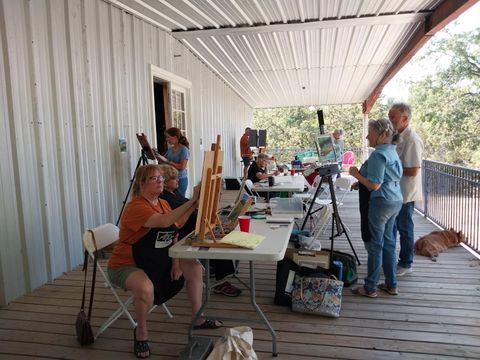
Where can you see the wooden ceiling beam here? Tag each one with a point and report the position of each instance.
(446, 12)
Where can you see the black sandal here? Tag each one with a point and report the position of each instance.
(209, 324)
(140, 346)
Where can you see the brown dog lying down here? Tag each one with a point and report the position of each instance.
(433, 244)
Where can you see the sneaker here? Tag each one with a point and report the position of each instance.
(403, 271)
(388, 289)
(227, 289)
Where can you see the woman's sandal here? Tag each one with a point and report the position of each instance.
(140, 346)
(360, 290)
(227, 289)
(209, 324)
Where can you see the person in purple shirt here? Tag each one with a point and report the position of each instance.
(381, 175)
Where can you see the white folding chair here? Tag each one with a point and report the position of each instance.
(95, 240)
(249, 188)
(310, 194)
(344, 185)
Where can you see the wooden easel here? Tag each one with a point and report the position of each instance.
(207, 218)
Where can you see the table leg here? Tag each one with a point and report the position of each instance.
(259, 311)
(205, 299)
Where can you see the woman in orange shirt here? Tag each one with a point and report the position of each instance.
(140, 261)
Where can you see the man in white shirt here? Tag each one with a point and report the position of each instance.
(410, 150)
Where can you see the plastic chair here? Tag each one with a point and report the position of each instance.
(103, 236)
(348, 158)
(311, 189)
(344, 185)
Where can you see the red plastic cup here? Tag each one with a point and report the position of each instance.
(244, 223)
(292, 172)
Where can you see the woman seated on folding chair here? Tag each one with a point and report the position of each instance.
(140, 261)
(221, 268)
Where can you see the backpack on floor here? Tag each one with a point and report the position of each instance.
(350, 275)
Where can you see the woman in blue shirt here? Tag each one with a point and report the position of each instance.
(177, 155)
(381, 174)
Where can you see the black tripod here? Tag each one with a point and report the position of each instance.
(336, 221)
(141, 160)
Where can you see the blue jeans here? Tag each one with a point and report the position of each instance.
(404, 225)
(381, 247)
(182, 186)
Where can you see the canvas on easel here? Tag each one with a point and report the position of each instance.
(239, 208)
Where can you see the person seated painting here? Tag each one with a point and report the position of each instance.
(221, 268)
(296, 163)
(258, 172)
(140, 262)
(258, 169)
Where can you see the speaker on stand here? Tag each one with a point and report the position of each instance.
(321, 121)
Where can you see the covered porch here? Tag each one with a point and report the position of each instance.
(435, 316)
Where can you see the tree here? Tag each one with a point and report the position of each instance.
(295, 128)
(447, 103)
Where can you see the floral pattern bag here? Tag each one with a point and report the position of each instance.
(317, 295)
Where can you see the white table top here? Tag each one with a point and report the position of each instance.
(282, 183)
(272, 248)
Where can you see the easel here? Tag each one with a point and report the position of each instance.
(141, 160)
(208, 219)
(336, 221)
(146, 153)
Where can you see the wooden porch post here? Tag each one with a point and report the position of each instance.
(365, 131)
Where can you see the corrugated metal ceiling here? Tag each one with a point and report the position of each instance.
(291, 52)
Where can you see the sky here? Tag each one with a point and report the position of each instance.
(397, 88)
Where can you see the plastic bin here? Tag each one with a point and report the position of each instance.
(287, 206)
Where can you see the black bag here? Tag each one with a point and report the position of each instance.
(286, 271)
(156, 263)
(350, 275)
(84, 329)
(364, 202)
(82, 324)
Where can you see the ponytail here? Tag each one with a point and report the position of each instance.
(176, 132)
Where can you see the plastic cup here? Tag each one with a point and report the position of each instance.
(292, 172)
(244, 223)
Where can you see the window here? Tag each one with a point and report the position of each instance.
(178, 110)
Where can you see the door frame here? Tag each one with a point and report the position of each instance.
(161, 75)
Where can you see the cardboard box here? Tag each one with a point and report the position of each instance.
(309, 258)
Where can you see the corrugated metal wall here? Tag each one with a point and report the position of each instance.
(75, 77)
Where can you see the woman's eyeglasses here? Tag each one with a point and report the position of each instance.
(157, 178)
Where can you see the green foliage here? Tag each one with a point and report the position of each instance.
(296, 127)
(446, 108)
(447, 104)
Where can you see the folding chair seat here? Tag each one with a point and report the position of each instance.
(103, 236)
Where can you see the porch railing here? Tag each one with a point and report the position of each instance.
(451, 198)
(286, 155)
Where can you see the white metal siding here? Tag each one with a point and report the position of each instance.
(75, 77)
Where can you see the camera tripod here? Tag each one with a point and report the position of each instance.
(142, 160)
(337, 223)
